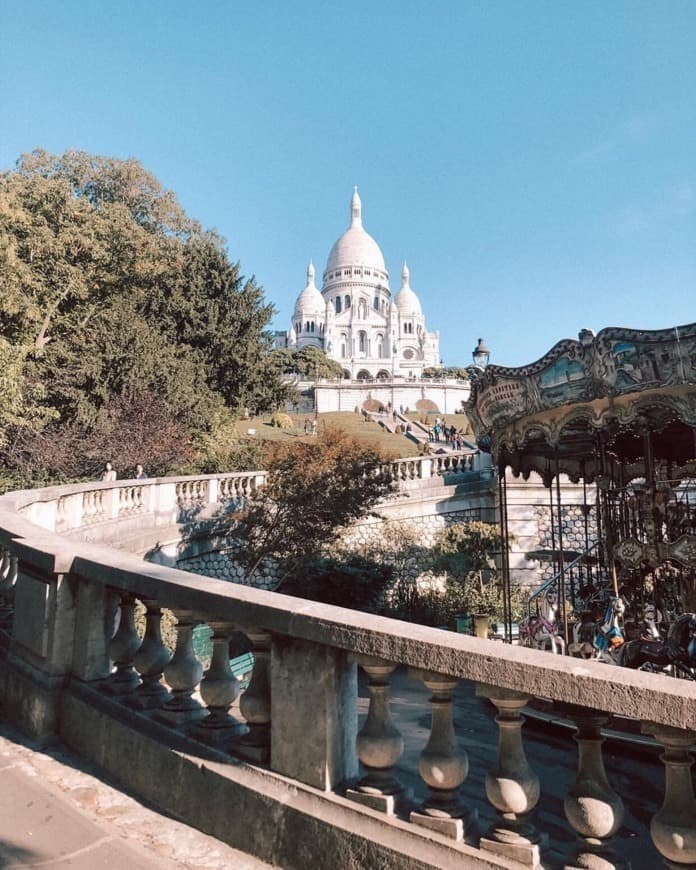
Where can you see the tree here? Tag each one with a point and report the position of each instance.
(312, 491)
(312, 362)
(466, 553)
(112, 297)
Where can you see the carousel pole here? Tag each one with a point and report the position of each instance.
(561, 576)
(553, 521)
(504, 555)
(585, 515)
(608, 520)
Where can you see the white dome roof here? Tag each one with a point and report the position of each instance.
(406, 300)
(356, 247)
(310, 299)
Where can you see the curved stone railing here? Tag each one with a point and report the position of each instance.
(73, 663)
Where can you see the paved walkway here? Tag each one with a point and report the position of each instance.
(56, 813)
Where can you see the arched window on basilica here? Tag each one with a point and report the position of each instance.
(346, 302)
(362, 342)
(337, 303)
(380, 345)
(344, 345)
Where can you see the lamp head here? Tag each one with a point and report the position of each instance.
(481, 355)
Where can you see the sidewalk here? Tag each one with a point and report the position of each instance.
(55, 813)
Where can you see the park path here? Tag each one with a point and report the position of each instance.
(55, 812)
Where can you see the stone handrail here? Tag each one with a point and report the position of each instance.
(60, 597)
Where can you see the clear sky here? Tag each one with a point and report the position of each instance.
(535, 162)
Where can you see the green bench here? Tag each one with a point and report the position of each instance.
(241, 667)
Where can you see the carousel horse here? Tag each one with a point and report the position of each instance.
(541, 631)
(650, 653)
(608, 635)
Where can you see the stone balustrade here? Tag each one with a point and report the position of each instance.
(74, 663)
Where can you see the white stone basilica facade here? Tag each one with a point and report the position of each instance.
(354, 317)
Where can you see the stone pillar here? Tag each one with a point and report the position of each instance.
(95, 618)
(443, 766)
(255, 703)
(150, 661)
(8, 577)
(594, 810)
(219, 689)
(673, 827)
(122, 650)
(41, 647)
(512, 786)
(379, 743)
(182, 674)
(314, 720)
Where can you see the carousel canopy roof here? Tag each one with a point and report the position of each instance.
(597, 398)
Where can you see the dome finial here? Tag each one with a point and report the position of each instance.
(310, 273)
(405, 276)
(355, 209)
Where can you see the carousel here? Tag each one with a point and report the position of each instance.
(615, 414)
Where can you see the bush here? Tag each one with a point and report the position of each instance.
(281, 420)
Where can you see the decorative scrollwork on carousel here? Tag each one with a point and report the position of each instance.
(617, 413)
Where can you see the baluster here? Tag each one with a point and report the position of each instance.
(122, 650)
(379, 743)
(219, 689)
(595, 811)
(255, 703)
(512, 786)
(9, 567)
(150, 661)
(673, 827)
(4, 563)
(182, 675)
(443, 766)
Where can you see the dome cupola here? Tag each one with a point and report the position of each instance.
(406, 300)
(310, 299)
(356, 251)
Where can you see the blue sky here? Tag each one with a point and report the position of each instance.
(535, 162)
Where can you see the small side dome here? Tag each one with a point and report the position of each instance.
(310, 299)
(406, 300)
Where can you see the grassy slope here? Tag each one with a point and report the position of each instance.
(371, 433)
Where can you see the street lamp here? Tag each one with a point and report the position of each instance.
(394, 352)
(481, 355)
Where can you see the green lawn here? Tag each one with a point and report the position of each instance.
(367, 431)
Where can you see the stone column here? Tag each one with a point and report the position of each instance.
(443, 766)
(122, 650)
(182, 675)
(8, 578)
(512, 786)
(673, 827)
(255, 703)
(40, 655)
(314, 719)
(219, 689)
(594, 810)
(150, 661)
(379, 743)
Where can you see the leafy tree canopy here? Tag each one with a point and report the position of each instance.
(458, 372)
(114, 298)
(312, 491)
(308, 362)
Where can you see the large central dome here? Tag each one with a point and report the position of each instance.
(356, 247)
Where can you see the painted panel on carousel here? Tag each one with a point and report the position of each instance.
(616, 362)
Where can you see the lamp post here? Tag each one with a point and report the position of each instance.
(481, 355)
(394, 352)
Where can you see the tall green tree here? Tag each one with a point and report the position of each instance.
(113, 296)
(312, 492)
